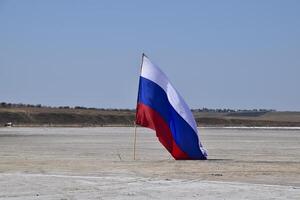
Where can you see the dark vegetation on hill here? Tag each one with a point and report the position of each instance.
(38, 115)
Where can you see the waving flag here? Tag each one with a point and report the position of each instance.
(161, 108)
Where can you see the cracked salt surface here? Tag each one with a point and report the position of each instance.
(84, 163)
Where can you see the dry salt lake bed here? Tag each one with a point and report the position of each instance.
(97, 163)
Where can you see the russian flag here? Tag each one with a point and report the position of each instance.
(161, 108)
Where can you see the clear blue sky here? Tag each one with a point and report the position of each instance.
(218, 54)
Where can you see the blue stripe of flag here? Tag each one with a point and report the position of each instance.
(185, 137)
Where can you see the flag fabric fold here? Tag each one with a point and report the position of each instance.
(161, 108)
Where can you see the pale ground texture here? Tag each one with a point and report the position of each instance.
(97, 163)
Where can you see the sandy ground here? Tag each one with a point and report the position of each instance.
(97, 163)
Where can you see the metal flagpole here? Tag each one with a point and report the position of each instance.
(134, 142)
(135, 127)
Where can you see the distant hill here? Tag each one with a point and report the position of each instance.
(38, 115)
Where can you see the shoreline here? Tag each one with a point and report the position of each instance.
(128, 126)
(53, 117)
